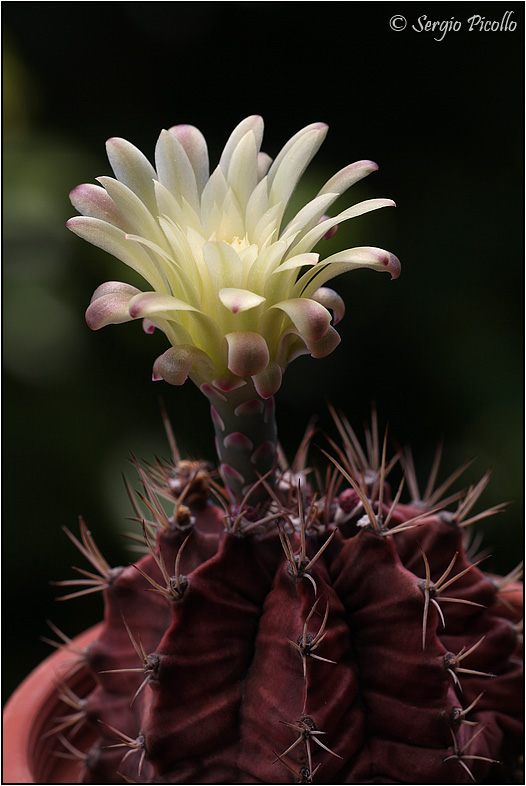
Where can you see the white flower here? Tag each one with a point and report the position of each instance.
(237, 296)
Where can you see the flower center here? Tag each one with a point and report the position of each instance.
(239, 244)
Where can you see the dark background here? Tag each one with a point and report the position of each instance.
(440, 350)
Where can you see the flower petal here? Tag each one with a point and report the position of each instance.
(184, 323)
(175, 273)
(331, 300)
(308, 241)
(324, 345)
(114, 287)
(293, 165)
(268, 382)
(343, 261)
(247, 353)
(276, 164)
(297, 261)
(228, 382)
(266, 229)
(133, 169)
(257, 207)
(264, 162)
(137, 214)
(242, 168)
(253, 123)
(311, 319)
(174, 169)
(148, 326)
(93, 201)
(110, 304)
(308, 216)
(264, 264)
(148, 304)
(176, 363)
(183, 215)
(224, 265)
(278, 287)
(213, 196)
(239, 299)
(230, 222)
(347, 177)
(113, 240)
(196, 149)
(290, 347)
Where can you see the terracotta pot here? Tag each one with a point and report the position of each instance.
(32, 711)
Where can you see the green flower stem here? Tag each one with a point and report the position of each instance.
(246, 439)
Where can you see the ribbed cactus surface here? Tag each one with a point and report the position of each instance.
(329, 636)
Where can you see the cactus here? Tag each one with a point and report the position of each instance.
(285, 624)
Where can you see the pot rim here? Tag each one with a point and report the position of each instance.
(33, 704)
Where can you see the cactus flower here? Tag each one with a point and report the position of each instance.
(238, 295)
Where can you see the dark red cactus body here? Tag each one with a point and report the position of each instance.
(341, 637)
